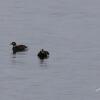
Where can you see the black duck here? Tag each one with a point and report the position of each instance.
(18, 48)
(43, 54)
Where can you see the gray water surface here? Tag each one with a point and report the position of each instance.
(69, 30)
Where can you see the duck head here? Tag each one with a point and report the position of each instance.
(13, 43)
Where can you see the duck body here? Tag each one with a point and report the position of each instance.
(43, 54)
(18, 48)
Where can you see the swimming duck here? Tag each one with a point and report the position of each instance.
(43, 54)
(18, 48)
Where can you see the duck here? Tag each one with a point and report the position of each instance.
(43, 54)
(18, 48)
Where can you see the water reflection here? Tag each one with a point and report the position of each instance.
(43, 63)
(13, 55)
(18, 58)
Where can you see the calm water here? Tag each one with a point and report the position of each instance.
(69, 30)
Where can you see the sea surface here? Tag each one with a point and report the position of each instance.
(69, 30)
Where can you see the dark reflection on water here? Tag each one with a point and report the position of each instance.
(43, 63)
(18, 58)
(13, 55)
(19, 62)
(18, 55)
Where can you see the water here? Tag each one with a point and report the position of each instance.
(69, 30)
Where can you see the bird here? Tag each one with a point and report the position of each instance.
(43, 54)
(18, 48)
